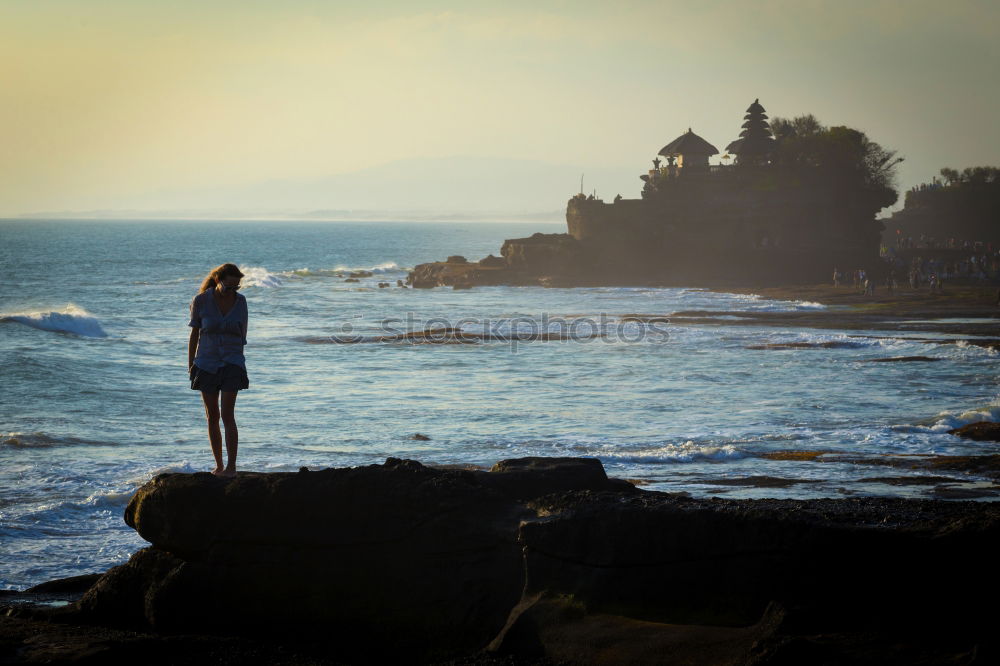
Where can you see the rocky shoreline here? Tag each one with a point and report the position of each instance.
(539, 560)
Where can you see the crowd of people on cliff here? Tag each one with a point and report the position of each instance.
(931, 243)
(935, 184)
(922, 272)
(977, 260)
(984, 267)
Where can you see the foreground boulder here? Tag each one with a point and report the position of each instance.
(394, 559)
(548, 559)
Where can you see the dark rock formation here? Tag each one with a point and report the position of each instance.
(74, 585)
(982, 431)
(525, 261)
(543, 254)
(445, 274)
(400, 558)
(549, 559)
(720, 562)
(491, 261)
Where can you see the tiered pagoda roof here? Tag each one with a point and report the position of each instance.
(756, 139)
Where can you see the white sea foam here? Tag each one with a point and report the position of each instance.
(962, 350)
(688, 451)
(341, 270)
(70, 319)
(71, 510)
(760, 305)
(183, 467)
(258, 276)
(839, 340)
(950, 420)
(109, 498)
(385, 267)
(698, 298)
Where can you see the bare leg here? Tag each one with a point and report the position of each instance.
(211, 399)
(232, 433)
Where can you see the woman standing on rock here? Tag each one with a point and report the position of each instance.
(215, 357)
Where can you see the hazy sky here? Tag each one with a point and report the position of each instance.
(103, 102)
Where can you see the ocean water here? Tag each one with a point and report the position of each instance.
(96, 399)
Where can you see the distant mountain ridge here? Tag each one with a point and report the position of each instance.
(457, 187)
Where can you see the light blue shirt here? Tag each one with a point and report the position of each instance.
(222, 336)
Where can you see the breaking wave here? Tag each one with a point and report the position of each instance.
(184, 467)
(948, 420)
(340, 270)
(759, 304)
(40, 440)
(258, 276)
(71, 319)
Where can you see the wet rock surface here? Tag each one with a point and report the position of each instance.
(536, 561)
(983, 431)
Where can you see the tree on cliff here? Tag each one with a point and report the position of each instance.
(950, 175)
(967, 207)
(841, 155)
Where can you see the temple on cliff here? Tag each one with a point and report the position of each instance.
(748, 219)
(752, 220)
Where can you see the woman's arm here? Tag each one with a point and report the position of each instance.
(193, 346)
(246, 318)
(195, 325)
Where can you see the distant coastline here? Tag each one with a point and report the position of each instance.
(332, 215)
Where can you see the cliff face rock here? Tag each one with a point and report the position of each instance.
(463, 274)
(523, 261)
(541, 254)
(548, 558)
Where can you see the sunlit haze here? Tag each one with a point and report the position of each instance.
(257, 107)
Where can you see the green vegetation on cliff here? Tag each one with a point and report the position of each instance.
(966, 206)
(842, 156)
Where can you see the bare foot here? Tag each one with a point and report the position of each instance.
(227, 473)
(218, 471)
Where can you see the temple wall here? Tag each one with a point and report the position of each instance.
(707, 225)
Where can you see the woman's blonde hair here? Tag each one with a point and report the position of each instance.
(218, 274)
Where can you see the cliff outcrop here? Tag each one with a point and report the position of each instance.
(539, 259)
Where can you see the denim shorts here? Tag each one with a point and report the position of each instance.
(230, 377)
